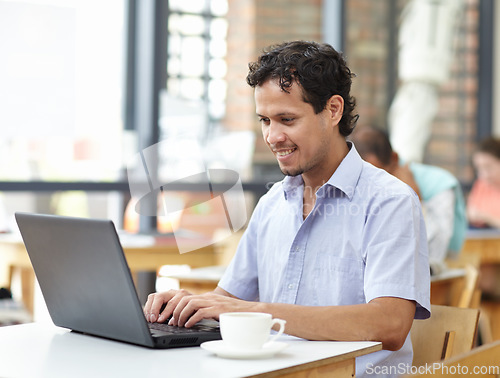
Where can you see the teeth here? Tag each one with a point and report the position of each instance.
(284, 153)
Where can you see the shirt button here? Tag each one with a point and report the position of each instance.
(290, 286)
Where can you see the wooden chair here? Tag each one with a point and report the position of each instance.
(469, 295)
(448, 332)
(481, 361)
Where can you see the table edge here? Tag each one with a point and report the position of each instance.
(321, 362)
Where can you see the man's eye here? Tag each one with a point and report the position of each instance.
(287, 120)
(264, 120)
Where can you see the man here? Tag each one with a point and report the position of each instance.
(337, 248)
(439, 191)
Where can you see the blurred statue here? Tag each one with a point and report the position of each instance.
(426, 51)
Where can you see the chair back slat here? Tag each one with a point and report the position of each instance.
(449, 331)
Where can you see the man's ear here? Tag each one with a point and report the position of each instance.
(335, 105)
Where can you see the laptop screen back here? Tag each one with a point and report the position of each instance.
(84, 277)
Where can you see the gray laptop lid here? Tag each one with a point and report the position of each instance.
(84, 277)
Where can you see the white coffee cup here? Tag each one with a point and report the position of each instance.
(248, 330)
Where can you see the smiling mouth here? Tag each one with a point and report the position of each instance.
(285, 152)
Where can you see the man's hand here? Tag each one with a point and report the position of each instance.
(167, 300)
(186, 309)
(191, 309)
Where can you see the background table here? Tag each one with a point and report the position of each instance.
(200, 280)
(485, 242)
(447, 286)
(43, 350)
(143, 254)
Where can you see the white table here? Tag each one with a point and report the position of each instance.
(44, 350)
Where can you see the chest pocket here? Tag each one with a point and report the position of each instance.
(337, 281)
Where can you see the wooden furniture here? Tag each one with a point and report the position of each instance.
(55, 352)
(486, 244)
(470, 296)
(447, 287)
(456, 287)
(143, 253)
(481, 361)
(200, 280)
(448, 332)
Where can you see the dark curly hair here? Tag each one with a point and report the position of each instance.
(320, 70)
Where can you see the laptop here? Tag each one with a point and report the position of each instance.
(87, 285)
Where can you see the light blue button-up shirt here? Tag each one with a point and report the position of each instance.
(365, 238)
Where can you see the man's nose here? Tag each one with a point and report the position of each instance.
(275, 134)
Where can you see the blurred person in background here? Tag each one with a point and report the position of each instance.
(440, 193)
(483, 203)
(483, 206)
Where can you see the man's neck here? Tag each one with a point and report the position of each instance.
(316, 178)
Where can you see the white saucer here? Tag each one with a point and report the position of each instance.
(220, 349)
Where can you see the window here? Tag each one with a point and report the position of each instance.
(61, 102)
(196, 54)
(61, 94)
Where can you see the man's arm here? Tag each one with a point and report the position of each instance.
(384, 319)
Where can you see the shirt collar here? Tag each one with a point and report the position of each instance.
(347, 174)
(291, 184)
(345, 177)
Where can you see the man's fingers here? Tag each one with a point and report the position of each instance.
(172, 305)
(186, 307)
(159, 306)
(193, 309)
(181, 304)
(202, 313)
(147, 306)
(153, 305)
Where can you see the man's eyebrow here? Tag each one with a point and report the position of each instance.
(277, 115)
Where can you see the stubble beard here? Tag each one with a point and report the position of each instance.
(291, 173)
(313, 163)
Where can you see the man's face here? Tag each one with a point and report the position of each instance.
(299, 138)
(488, 168)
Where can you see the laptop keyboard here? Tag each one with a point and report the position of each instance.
(200, 327)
